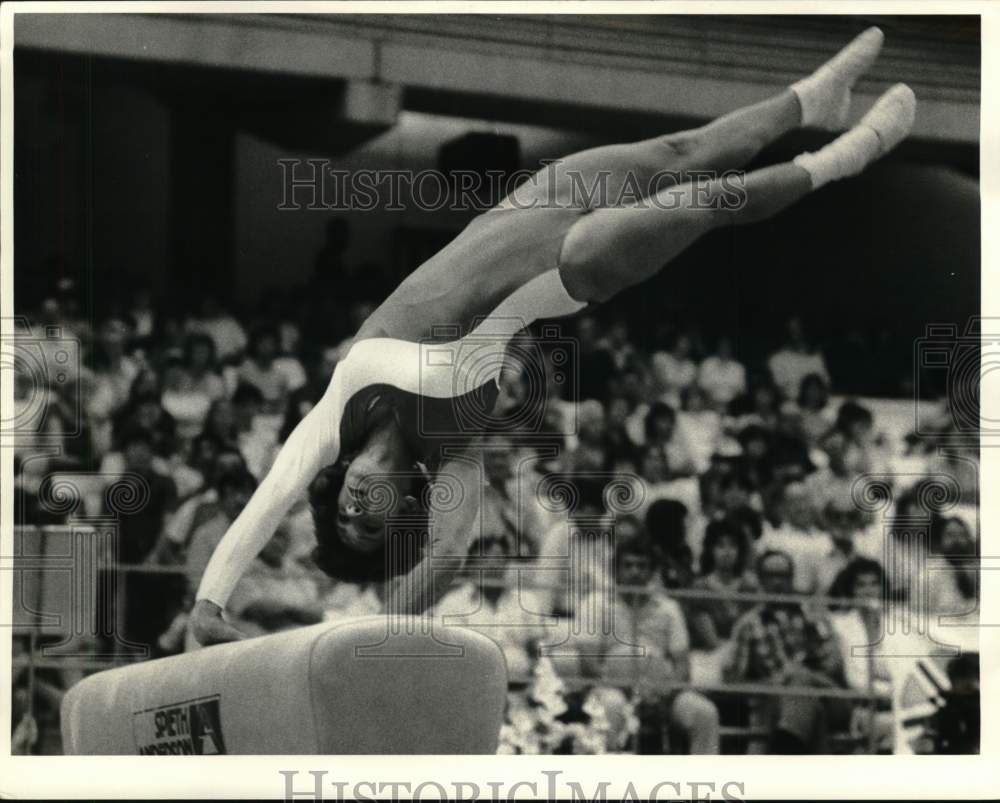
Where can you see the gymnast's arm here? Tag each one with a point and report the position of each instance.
(451, 534)
(313, 444)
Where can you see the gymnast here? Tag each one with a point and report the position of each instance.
(381, 431)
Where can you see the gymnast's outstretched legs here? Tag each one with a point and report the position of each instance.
(613, 248)
(615, 174)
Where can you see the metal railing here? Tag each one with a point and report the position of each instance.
(34, 575)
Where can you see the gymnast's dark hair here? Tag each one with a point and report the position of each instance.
(405, 539)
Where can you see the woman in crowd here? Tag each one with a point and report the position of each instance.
(815, 417)
(261, 369)
(185, 403)
(674, 370)
(725, 572)
(721, 375)
(860, 627)
(201, 367)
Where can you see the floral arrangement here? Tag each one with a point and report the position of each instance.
(601, 719)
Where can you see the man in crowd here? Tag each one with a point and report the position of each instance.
(635, 635)
(780, 643)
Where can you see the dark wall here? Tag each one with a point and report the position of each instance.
(91, 180)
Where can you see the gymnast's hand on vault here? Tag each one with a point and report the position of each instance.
(208, 627)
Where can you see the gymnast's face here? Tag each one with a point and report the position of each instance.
(373, 490)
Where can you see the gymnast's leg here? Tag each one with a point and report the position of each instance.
(610, 249)
(613, 174)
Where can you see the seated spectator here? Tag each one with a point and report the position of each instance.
(780, 643)
(860, 628)
(861, 583)
(721, 376)
(499, 602)
(201, 368)
(139, 528)
(813, 408)
(854, 439)
(261, 370)
(588, 451)
(145, 410)
(760, 405)
(353, 600)
(961, 463)
(663, 436)
(850, 540)
(749, 523)
(789, 449)
(755, 463)
(852, 448)
(955, 591)
(632, 385)
(111, 381)
(510, 506)
(701, 425)
(725, 490)
(184, 403)
(220, 424)
(201, 456)
(647, 647)
(796, 534)
(256, 444)
(653, 471)
(200, 506)
(666, 527)
(268, 585)
(620, 449)
(226, 332)
(725, 570)
(577, 515)
(795, 360)
(234, 489)
(673, 371)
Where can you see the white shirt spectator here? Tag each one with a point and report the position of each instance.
(635, 424)
(701, 433)
(258, 447)
(189, 410)
(350, 601)
(808, 549)
(227, 334)
(513, 621)
(209, 384)
(723, 380)
(271, 381)
(671, 375)
(789, 367)
(295, 374)
(868, 543)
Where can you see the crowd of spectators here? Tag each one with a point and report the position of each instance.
(741, 480)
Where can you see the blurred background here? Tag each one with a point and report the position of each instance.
(747, 386)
